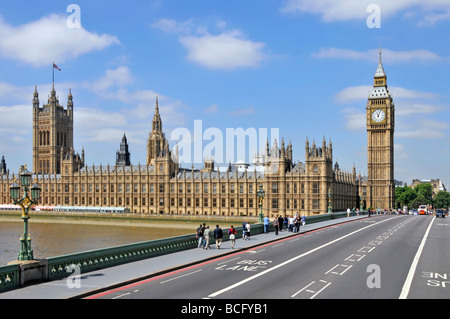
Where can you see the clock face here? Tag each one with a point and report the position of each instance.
(378, 116)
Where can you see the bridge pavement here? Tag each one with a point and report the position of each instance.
(108, 278)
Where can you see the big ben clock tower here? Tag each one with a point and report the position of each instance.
(380, 111)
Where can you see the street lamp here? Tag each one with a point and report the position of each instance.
(260, 194)
(25, 203)
(330, 208)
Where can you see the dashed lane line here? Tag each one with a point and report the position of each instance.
(230, 287)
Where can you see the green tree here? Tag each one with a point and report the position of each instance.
(405, 196)
(424, 193)
(442, 200)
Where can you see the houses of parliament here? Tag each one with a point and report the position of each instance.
(162, 186)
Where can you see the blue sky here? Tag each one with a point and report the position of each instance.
(301, 66)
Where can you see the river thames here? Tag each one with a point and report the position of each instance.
(60, 236)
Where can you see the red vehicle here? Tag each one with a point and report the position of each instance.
(423, 210)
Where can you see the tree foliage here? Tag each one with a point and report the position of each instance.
(422, 194)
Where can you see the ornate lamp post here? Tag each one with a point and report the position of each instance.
(330, 208)
(25, 203)
(260, 194)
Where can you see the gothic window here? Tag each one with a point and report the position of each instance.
(274, 188)
(316, 203)
(315, 188)
(274, 203)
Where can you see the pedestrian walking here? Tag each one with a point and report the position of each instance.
(232, 235)
(285, 222)
(291, 223)
(244, 230)
(303, 220)
(218, 236)
(247, 233)
(297, 224)
(200, 235)
(275, 225)
(206, 237)
(266, 225)
(280, 222)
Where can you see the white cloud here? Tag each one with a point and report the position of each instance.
(212, 109)
(224, 51)
(345, 10)
(118, 77)
(355, 119)
(172, 26)
(27, 44)
(361, 93)
(247, 111)
(389, 56)
(227, 50)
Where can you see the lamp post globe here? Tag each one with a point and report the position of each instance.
(25, 253)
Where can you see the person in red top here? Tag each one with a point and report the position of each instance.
(232, 235)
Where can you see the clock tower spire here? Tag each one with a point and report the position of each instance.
(380, 112)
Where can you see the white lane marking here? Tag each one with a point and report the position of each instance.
(412, 270)
(122, 295)
(215, 294)
(191, 273)
(318, 292)
(302, 289)
(350, 258)
(346, 267)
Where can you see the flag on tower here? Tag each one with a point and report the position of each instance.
(56, 67)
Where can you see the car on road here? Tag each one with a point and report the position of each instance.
(423, 210)
(440, 213)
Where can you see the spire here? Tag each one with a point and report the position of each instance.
(380, 70)
(157, 124)
(35, 97)
(380, 89)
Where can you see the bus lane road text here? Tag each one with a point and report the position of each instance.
(245, 265)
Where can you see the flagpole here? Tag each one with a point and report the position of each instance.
(53, 73)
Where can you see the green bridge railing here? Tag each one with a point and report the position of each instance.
(9, 277)
(63, 266)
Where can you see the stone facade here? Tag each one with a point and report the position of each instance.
(162, 186)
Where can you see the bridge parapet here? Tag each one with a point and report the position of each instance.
(63, 266)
